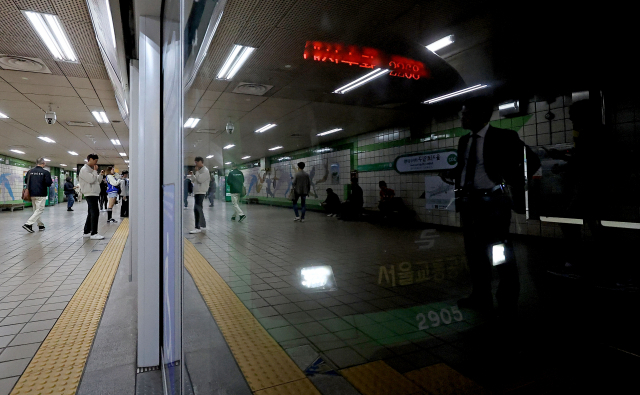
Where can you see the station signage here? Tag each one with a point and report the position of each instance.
(427, 161)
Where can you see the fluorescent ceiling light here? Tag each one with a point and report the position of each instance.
(123, 153)
(112, 30)
(86, 160)
(52, 34)
(191, 122)
(275, 148)
(227, 163)
(329, 132)
(210, 156)
(100, 116)
(73, 152)
(3, 116)
(47, 139)
(362, 80)
(265, 128)
(215, 167)
(228, 146)
(115, 141)
(239, 54)
(126, 161)
(62, 164)
(456, 93)
(508, 106)
(323, 150)
(16, 151)
(46, 160)
(443, 42)
(245, 157)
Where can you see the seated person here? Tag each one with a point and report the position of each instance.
(352, 207)
(386, 198)
(332, 203)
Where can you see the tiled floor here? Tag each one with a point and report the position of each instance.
(39, 273)
(395, 296)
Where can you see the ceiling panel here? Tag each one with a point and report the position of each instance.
(21, 77)
(83, 83)
(46, 90)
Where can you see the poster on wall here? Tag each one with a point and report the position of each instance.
(438, 194)
(335, 174)
(427, 161)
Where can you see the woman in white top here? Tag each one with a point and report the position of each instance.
(113, 181)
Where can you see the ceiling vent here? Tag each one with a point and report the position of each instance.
(21, 63)
(249, 88)
(81, 124)
(210, 131)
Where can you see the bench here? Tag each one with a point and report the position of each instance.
(12, 206)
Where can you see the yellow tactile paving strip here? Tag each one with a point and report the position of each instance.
(58, 365)
(378, 378)
(265, 365)
(441, 379)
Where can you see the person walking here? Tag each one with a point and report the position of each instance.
(212, 191)
(124, 186)
(186, 190)
(90, 182)
(200, 185)
(113, 182)
(489, 158)
(69, 191)
(301, 186)
(103, 194)
(235, 179)
(38, 180)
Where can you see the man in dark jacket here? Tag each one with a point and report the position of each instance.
(211, 192)
(235, 180)
(352, 207)
(331, 203)
(301, 186)
(489, 158)
(38, 180)
(103, 195)
(69, 191)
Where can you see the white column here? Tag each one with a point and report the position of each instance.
(148, 193)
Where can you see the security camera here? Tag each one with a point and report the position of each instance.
(229, 128)
(50, 117)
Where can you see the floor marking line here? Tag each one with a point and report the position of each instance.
(59, 363)
(262, 361)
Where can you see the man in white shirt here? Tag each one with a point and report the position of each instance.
(200, 182)
(90, 187)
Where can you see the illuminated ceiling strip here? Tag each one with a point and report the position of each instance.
(453, 94)
(46, 159)
(47, 139)
(16, 151)
(443, 42)
(52, 34)
(210, 156)
(266, 127)
(62, 164)
(239, 54)
(508, 106)
(275, 148)
(246, 157)
(115, 141)
(100, 116)
(228, 146)
(123, 153)
(227, 163)
(191, 122)
(362, 80)
(73, 152)
(329, 132)
(3, 116)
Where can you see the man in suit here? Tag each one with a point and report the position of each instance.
(489, 159)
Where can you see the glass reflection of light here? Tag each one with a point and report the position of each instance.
(315, 276)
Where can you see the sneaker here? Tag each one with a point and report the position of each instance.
(41, 227)
(329, 215)
(69, 209)
(242, 217)
(233, 218)
(28, 228)
(301, 220)
(296, 219)
(86, 235)
(97, 237)
(211, 205)
(195, 231)
(112, 220)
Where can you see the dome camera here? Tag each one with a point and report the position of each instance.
(229, 128)
(50, 117)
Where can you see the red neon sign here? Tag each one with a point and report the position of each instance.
(366, 58)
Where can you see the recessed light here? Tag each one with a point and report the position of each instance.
(329, 132)
(52, 34)
(122, 153)
(126, 161)
(227, 163)
(215, 167)
(62, 164)
(275, 148)
(115, 141)
(266, 127)
(239, 54)
(3, 116)
(456, 93)
(246, 157)
(191, 122)
(209, 156)
(73, 152)
(47, 139)
(228, 146)
(16, 151)
(100, 116)
(86, 160)
(362, 80)
(443, 42)
(47, 160)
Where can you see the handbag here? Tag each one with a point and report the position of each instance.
(292, 194)
(26, 195)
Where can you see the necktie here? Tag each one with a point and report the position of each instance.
(471, 162)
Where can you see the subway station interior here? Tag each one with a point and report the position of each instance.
(326, 197)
